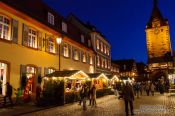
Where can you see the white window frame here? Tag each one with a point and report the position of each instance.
(51, 45)
(51, 18)
(66, 50)
(5, 34)
(76, 54)
(32, 38)
(64, 26)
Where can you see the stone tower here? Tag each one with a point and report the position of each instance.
(157, 36)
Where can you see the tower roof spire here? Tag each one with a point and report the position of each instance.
(155, 2)
(156, 15)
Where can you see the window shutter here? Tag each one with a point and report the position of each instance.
(73, 52)
(46, 42)
(25, 35)
(39, 40)
(22, 70)
(15, 31)
(39, 77)
(70, 50)
(79, 55)
(87, 58)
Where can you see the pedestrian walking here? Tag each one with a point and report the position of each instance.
(90, 96)
(152, 88)
(84, 96)
(137, 89)
(94, 103)
(147, 88)
(8, 94)
(128, 95)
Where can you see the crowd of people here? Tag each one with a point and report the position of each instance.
(128, 91)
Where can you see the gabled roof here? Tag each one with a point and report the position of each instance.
(125, 65)
(156, 15)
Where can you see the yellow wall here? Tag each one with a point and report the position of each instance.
(155, 42)
(17, 54)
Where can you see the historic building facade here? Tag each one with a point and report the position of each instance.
(100, 45)
(158, 41)
(30, 33)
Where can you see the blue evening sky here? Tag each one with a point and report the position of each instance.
(123, 22)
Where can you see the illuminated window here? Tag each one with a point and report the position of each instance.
(82, 38)
(109, 64)
(98, 44)
(91, 59)
(101, 47)
(50, 18)
(31, 73)
(50, 44)
(83, 57)
(66, 50)
(32, 38)
(4, 28)
(106, 63)
(102, 62)
(105, 49)
(64, 26)
(76, 54)
(98, 61)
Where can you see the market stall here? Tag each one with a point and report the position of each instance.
(113, 79)
(99, 79)
(73, 79)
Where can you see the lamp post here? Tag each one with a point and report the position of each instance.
(59, 40)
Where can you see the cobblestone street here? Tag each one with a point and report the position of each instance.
(158, 105)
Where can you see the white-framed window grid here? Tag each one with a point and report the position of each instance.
(64, 26)
(66, 50)
(51, 18)
(51, 45)
(4, 27)
(32, 38)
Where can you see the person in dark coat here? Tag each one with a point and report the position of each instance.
(128, 96)
(8, 94)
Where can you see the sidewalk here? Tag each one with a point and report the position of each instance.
(31, 107)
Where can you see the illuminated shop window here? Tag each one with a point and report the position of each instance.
(31, 75)
(4, 28)
(32, 38)
(3, 78)
(51, 18)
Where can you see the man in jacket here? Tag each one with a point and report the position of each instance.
(128, 96)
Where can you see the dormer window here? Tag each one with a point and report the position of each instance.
(64, 27)
(82, 38)
(51, 18)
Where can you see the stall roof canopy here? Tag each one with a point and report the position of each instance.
(94, 75)
(97, 75)
(66, 73)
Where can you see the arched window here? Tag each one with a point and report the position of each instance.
(4, 27)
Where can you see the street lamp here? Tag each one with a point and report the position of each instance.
(59, 40)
